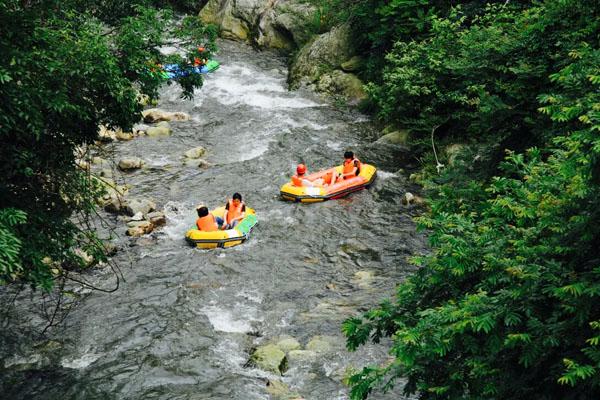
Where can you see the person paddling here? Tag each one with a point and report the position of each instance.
(235, 211)
(206, 221)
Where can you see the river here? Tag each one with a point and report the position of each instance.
(184, 321)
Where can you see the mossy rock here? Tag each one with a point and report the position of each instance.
(270, 358)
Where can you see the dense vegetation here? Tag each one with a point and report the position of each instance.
(506, 305)
(66, 67)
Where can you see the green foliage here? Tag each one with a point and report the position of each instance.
(67, 67)
(507, 304)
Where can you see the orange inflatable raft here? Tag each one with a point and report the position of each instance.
(313, 194)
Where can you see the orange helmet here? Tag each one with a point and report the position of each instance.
(200, 49)
(301, 169)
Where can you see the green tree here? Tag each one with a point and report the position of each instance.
(66, 67)
(506, 306)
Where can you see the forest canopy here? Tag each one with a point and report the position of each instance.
(506, 305)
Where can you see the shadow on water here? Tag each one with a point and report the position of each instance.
(183, 323)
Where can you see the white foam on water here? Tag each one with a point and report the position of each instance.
(337, 146)
(237, 85)
(160, 161)
(252, 295)
(180, 217)
(385, 175)
(79, 363)
(236, 320)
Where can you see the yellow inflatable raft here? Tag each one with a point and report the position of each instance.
(313, 194)
(228, 238)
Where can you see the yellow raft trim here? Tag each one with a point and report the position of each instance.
(227, 238)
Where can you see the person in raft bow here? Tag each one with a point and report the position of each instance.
(206, 221)
(351, 165)
(300, 180)
(235, 211)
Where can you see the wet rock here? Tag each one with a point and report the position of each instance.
(321, 344)
(234, 18)
(289, 25)
(137, 217)
(128, 164)
(325, 54)
(301, 357)
(26, 363)
(342, 83)
(157, 218)
(157, 115)
(195, 153)
(139, 228)
(143, 206)
(353, 245)
(278, 389)
(140, 129)
(124, 136)
(287, 344)
(160, 130)
(270, 358)
(396, 137)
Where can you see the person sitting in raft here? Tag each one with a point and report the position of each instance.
(351, 165)
(299, 180)
(206, 221)
(235, 211)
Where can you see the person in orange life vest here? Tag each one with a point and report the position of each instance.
(351, 165)
(235, 211)
(299, 180)
(206, 221)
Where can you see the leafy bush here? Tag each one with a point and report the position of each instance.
(506, 306)
(67, 67)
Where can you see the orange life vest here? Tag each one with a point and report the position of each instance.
(349, 167)
(207, 223)
(233, 212)
(297, 181)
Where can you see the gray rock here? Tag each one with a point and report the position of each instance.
(321, 344)
(160, 130)
(195, 153)
(127, 164)
(324, 54)
(157, 218)
(400, 137)
(137, 217)
(301, 357)
(157, 115)
(342, 83)
(287, 344)
(270, 358)
(135, 206)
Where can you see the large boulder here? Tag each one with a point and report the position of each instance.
(288, 25)
(325, 54)
(267, 23)
(157, 115)
(235, 18)
(342, 83)
(270, 358)
(400, 137)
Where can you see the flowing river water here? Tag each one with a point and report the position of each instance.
(184, 321)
